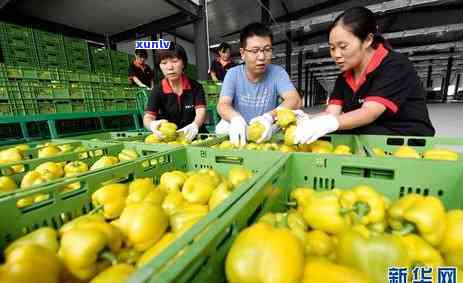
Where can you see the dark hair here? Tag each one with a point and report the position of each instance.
(175, 51)
(141, 53)
(223, 47)
(361, 22)
(254, 29)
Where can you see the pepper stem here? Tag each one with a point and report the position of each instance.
(96, 209)
(109, 256)
(291, 203)
(361, 209)
(407, 229)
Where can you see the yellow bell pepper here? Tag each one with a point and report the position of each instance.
(289, 136)
(198, 188)
(296, 223)
(255, 131)
(30, 263)
(48, 151)
(318, 243)
(186, 216)
(173, 181)
(142, 224)
(50, 170)
(424, 215)
(112, 198)
(172, 202)
(155, 250)
(323, 211)
(301, 196)
(441, 154)
(7, 184)
(22, 147)
(342, 150)
(371, 254)
(81, 220)
(406, 151)
(103, 162)
(74, 168)
(285, 117)
(65, 147)
(222, 192)
(32, 178)
(118, 273)
(454, 259)
(144, 190)
(127, 154)
(46, 237)
(264, 254)
(322, 271)
(238, 175)
(452, 240)
(10, 155)
(421, 253)
(366, 205)
(83, 247)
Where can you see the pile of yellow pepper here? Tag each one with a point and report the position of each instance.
(49, 171)
(347, 236)
(131, 224)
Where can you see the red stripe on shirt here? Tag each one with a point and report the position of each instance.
(384, 101)
(336, 102)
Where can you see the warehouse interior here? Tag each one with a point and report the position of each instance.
(432, 40)
(121, 164)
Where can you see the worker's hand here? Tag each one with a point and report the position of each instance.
(237, 131)
(190, 131)
(300, 115)
(265, 120)
(310, 130)
(154, 126)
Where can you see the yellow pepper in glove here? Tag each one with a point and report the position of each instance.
(186, 216)
(30, 263)
(112, 197)
(264, 254)
(322, 271)
(143, 224)
(323, 211)
(359, 249)
(421, 253)
(366, 205)
(118, 273)
(424, 215)
(46, 237)
(83, 247)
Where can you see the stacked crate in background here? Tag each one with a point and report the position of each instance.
(77, 54)
(17, 45)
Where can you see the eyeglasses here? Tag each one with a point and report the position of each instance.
(267, 51)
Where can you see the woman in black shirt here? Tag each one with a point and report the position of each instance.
(220, 66)
(139, 72)
(178, 99)
(378, 91)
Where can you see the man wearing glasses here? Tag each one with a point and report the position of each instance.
(250, 91)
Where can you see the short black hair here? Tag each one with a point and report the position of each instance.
(223, 47)
(254, 29)
(143, 53)
(175, 51)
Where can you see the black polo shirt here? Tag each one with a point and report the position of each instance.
(391, 80)
(142, 72)
(178, 109)
(220, 70)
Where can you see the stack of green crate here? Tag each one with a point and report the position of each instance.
(77, 55)
(101, 62)
(50, 49)
(17, 44)
(119, 62)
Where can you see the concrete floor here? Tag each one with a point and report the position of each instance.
(446, 118)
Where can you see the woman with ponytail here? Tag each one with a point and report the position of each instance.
(378, 90)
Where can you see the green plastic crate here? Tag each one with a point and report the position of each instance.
(24, 107)
(16, 31)
(5, 108)
(9, 90)
(50, 74)
(115, 104)
(80, 91)
(211, 87)
(3, 76)
(391, 143)
(47, 37)
(61, 207)
(204, 252)
(53, 90)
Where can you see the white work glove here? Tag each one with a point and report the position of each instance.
(237, 131)
(300, 115)
(154, 126)
(266, 120)
(190, 131)
(310, 130)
